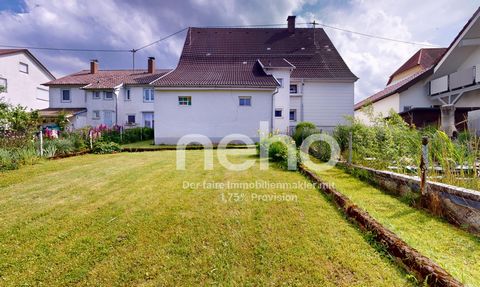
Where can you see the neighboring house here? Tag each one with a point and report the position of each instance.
(111, 97)
(436, 86)
(406, 88)
(21, 76)
(228, 80)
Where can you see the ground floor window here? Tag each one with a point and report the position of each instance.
(293, 115)
(185, 101)
(148, 120)
(278, 113)
(96, 115)
(130, 119)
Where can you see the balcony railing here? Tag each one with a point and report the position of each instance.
(460, 79)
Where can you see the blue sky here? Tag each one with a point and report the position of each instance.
(127, 24)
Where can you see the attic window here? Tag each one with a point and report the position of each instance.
(303, 48)
(244, 62)
(268, 49)
(208, 54)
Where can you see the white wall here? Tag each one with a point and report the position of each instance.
(24, 89)
(213, 113)
(327, 104)
(380, 108)
(415, 96)
(135, 106)
(281, 100)
(77, 96)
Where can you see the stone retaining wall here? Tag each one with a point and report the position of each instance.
(459, 206)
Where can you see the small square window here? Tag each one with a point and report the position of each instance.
(245, 101)
(130, 119)
(280, 81)
(294, 89)
(293, 115)
(127, 95)
(148, 95)
(23, 67)
(185, 101)
(108, 96)
(96, 95)
(278, 113)
(3, 85)
(96, 115)
(66, 96)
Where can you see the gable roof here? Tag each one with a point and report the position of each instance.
(108, 79)
(224, 57)
(4, 52)
(425, 58)
(457, 39)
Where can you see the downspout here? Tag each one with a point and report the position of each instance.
(272, 109)
(116, 106)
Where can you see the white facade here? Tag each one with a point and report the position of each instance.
(23, 77)
(109, 107)
(212, 113)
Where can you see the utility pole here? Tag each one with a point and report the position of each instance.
(133, 51)
(314, 23)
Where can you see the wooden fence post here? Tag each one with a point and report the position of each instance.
(424, 165)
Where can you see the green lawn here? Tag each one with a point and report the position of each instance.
(455, 250)
(125, 219)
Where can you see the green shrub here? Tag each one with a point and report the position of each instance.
(27, 155)
(8, 160)
(101, 147)
(277, 148)
(129, 135)
(320, 150)
(304, 130)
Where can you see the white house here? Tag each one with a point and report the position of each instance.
(21, 76)
(443, 91)
(228, 80)
(111, 97)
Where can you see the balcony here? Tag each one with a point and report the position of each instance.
(456, 82)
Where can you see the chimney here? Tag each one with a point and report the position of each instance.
(291, 24)
(151, 65)
(93, 66)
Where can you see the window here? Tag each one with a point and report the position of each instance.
(293, 115)
(127, 95)
(294, 89)
(23, 68)
(185, 101)
(96, 115)
(96, 95)
(66, 96)
(148, 95)
(108, 96)
(148, 120)
(245, 101)
(3, 85)
(278, 113)
(130, 119)
(280, 80)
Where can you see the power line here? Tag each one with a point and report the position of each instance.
(231, 26)
(159, 40)
(65, 49)
(372, 36)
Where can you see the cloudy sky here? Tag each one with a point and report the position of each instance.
(127, 24)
